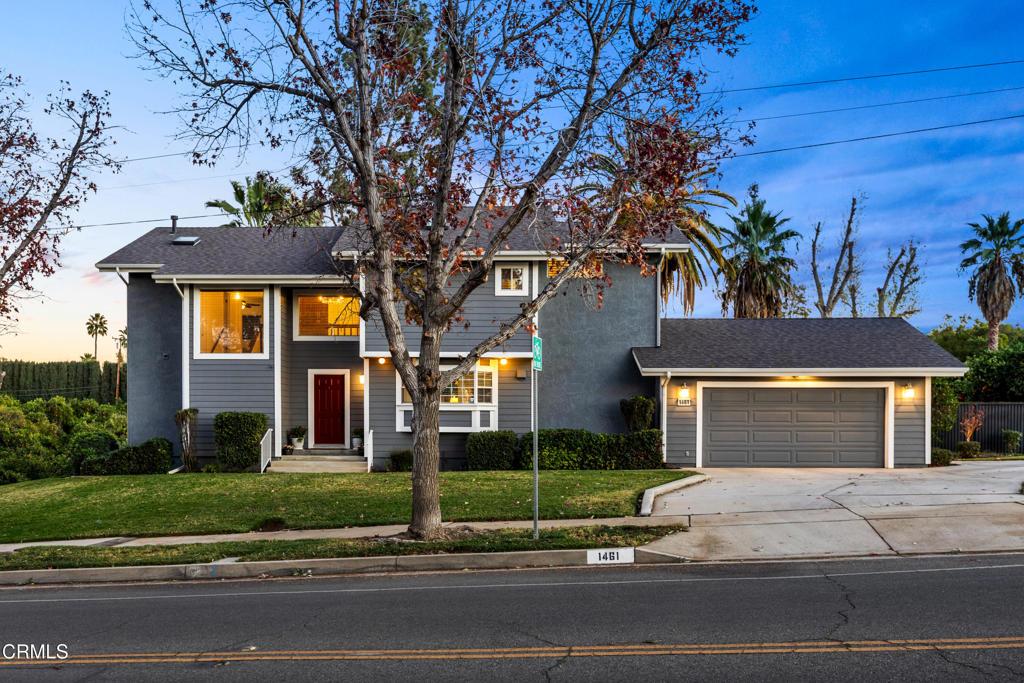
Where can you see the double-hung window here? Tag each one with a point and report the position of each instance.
(468, 404)
(231, 323)
(512, 280)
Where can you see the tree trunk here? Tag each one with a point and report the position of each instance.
(993, 335)
(117, 380)
(426, 499)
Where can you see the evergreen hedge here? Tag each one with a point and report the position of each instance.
(237, 437)
(27, 380)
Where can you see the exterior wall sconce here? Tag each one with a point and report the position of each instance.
(362, 379)
(381, 360)
(503, 361)
(908, 391)
(683, 398)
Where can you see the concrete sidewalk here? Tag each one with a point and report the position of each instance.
(743, 514)
(345, 532)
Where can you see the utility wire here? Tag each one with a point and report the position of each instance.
(881, 104)
(893, 74)
(875, 137)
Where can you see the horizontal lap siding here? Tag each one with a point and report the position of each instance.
(230, 384)
(299, 357)
(513, 413)
(482, 315)
(909, 432)
(681, 426)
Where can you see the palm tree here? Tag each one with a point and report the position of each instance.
(87, 358)
(997, 257)
(259, 201)
(121, 344)
(96, 326)
(759, 282)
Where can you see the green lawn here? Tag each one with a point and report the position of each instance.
(153, 505)
(995, 456)
(61, 557)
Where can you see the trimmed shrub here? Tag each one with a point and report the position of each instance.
(638, 411)
(554, 458)
(1011, 438)
(968, 449)
(237, 438)
(636, 451)
(496, 450)
(86, 443)
(941, 457)
(401, 461)
(149, 457)
(9, 476)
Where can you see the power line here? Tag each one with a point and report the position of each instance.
(876, 137)
(893, 74)
(165, 219)
(881, 104)
(171, 154)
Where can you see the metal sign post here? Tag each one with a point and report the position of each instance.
(537, 367)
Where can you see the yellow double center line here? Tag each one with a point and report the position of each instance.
(637, 650)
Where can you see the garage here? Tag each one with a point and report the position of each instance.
(793, 427)
(794, 392)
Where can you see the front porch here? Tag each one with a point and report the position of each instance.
(320, 460)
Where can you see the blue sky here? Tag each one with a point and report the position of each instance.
(924, 186)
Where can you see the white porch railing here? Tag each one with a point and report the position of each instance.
(368, 450)
(266, 449)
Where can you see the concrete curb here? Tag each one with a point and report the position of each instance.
(321, 567)
(647, 504)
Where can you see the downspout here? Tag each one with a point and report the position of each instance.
(657, 300)
(664, 415)
(123, 278)
(174, 281)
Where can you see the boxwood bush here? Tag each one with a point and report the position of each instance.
(942, 457)
(579, 449)
(498, 450)
(149, 457)
(237, 438)
(401, 461)
(968, 449)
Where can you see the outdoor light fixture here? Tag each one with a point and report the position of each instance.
(908, 391)
(503, 361)
(381, 360)
(684, 395)
(362, 379)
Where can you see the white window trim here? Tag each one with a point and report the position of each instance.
(268, 330)
(311, 408)
(890, 407)
(401, 407)
(522, 291)
(310, 337)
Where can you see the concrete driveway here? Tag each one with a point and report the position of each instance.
(748, 513)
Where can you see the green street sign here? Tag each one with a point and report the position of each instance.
(537, 353)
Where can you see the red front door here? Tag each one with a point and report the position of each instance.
(328, 410)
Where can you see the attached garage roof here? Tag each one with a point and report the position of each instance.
(795, 346)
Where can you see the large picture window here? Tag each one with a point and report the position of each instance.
(469, 404)
(231, 322)
(326, 316)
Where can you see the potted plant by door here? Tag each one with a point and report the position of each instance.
(297, 436)
(357, 438)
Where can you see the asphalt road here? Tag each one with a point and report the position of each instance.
(949, 618)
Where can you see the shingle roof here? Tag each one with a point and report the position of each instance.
(792, 344)
(232, 251)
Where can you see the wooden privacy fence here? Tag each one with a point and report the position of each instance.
(998, 416)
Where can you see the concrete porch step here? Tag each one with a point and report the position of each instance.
(319, 457)
(298, 463)
(327, 451)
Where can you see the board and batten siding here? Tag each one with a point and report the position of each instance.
(513, 413)
(908, 426)
(482, 314)
(299, 357)
(218, 385)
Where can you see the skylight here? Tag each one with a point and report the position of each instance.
(185, 240)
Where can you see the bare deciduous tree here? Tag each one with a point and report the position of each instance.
(446, 127)
(897, 297)
(43, 182)
(843, 272)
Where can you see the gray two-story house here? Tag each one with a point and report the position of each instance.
(228, 319)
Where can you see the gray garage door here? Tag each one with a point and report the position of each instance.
(794, 427)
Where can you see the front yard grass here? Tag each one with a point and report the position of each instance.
(160, 504)
(65, 557)
(995, 456)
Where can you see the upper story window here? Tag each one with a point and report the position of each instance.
(593, 269)
(512, 280)
(231, 322)
(326, 316)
